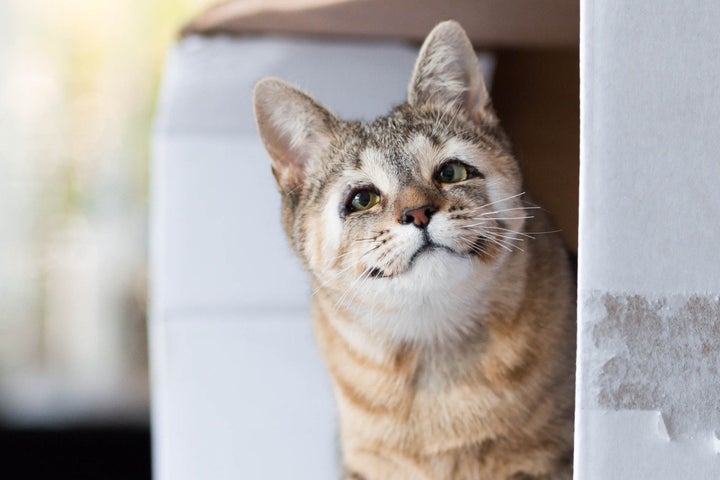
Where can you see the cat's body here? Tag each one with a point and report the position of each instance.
(448, 331)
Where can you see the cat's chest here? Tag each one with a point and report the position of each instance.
(414, 404)
(418, 419)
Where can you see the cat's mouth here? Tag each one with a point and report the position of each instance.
(427, 247)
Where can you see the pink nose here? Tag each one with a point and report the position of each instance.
(418, 216)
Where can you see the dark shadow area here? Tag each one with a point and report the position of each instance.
(537, 96)
(107, 453)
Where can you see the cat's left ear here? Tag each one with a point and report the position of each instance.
(294, 128)
(447, 73)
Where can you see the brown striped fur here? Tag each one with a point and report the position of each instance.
(450, 344)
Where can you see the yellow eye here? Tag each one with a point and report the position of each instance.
(363, 200)
(451, 172)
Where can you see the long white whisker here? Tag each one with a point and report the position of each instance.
(509, 237)
(507, 230)
(511, 218)
(356, 283)
(547, 232)
(502, 200)
(497, 242)
(508, 210)
(489, 219)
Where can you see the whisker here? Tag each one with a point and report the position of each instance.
(515, 232)
(470, 243)
(509, 237)
(483, 222)
(510, 209)
(546, 232)
(377, 236)
(528, 234)
(337, 274)
(340, 303)
(499, 243)
(511, 218)
(502, 200)
(334, 277)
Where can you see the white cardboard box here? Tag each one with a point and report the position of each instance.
(649, 313)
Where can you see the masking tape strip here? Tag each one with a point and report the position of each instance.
(641, 353)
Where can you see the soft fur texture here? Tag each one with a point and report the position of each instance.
(446, 324)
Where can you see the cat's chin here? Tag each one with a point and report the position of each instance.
(430, 302)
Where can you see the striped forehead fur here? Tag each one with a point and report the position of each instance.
(392, 135)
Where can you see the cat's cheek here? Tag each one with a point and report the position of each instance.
(328, 233)
(443, 232)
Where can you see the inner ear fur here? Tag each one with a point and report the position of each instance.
(447, 74)
(294, 128)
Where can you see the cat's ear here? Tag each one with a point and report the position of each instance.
(447, 73)
(294, 128)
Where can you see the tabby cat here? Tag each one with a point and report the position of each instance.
(447, 326)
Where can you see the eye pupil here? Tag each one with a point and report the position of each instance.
(452, 172)
(448, 172)
(363, 198)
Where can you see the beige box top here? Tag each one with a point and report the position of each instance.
(489, 23)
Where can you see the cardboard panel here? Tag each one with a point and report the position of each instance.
(489, 23)
(537, 97)
(240, 396)
(649, 282)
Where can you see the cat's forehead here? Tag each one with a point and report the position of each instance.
(406, 157)
(394, 130)
(395, 141)
(397, 131)
(405, 141)
(406, 147)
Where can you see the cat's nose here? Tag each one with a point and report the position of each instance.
(418, 216)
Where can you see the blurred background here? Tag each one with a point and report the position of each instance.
(78, 81)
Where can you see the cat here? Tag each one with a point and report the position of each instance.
(446, 325)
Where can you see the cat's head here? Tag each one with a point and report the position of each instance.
(407, 211)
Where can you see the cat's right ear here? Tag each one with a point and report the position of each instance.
(294, 128)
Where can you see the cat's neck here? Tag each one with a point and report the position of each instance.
(440, 329)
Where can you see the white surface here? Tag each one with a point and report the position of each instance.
(240, 397)
(650, 206)
(632, 445)
(237, 388)
(219, 245)
(649, 231)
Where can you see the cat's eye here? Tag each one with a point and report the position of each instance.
(455, 171)
(363, 200)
